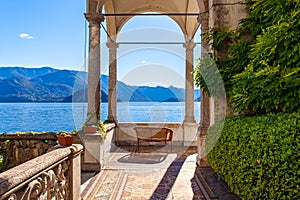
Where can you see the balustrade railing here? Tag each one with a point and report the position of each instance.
(54, 175)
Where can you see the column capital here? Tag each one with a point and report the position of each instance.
(112, 45)
(203, 17)
(189, 46)
(94, 18)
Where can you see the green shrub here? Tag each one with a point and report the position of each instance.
(259, 157)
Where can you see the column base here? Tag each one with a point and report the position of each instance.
(189, 133)
(111, 119)
(202, 161)
(189, 120)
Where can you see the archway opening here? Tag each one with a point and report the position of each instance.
(151, 71)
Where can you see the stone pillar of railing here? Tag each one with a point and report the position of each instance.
(189, 83)
(94, 147)
(54, 175)
(94, 94)
(112, 86)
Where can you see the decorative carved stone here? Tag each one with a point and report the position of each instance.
(94, 18)
(12, 197)
(53, 184)
(51, 176)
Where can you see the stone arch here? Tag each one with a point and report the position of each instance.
(159, 12)
(189, 46)
(126, 19)
(186, 22)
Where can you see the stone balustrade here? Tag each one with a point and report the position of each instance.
(18, 148)
(54, 175)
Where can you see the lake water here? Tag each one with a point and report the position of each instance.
(69, 116)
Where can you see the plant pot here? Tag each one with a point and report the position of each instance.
(89, 129)
(65, 141)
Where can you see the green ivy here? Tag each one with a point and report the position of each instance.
(270, 82)
(260, 62)
(207, 76)
(259, 156)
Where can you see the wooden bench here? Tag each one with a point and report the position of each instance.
(153, 134)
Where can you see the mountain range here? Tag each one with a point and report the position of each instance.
(46, 84)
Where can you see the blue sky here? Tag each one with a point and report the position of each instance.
(56, 28)
(52, 33)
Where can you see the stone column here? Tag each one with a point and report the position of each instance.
(225, 14)
(189, 83)
(112, 90)
(92, 141)
(203, 127)
(94, 67)
(205, 100)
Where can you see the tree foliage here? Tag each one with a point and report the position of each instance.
(260, 62)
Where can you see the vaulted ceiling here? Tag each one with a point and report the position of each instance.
(118, 12)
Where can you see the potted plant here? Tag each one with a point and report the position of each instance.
(65, 138)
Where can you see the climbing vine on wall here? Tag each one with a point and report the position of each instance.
(260, 62)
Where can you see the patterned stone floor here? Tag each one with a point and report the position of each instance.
(151, 173)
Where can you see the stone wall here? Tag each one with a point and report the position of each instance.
(19, 148)
(224, 15)
(184, 134)
(16, 149)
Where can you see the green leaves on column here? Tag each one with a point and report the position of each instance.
(260, 62)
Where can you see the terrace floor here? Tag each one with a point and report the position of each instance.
(152, 173)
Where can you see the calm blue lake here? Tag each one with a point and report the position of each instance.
(69, 116)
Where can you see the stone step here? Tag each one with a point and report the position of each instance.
(212, 186)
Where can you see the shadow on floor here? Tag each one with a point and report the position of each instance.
(164, 182)
(85, 176)
(143, 158)
(164, 188)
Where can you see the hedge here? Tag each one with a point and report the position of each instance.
(259, 157)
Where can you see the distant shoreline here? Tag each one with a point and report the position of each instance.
(53, 117)
(101, 102)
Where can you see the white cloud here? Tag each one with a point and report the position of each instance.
(25, 36)
(144, 62)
